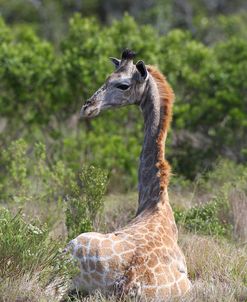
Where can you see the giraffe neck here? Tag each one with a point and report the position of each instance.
(154, 170)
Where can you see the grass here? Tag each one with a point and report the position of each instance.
(30, 260)
(216, 266)
(31, 268)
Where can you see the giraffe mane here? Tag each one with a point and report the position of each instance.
(166, 99)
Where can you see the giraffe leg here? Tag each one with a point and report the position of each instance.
(127, 285)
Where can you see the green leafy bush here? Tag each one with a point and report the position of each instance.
(204, 219)
(223, 180)
(25, 247)
(30, 248)
(86, 202)
(27, 175)
(27, 178)
(27, 77)
(220, 202)
(45, 88)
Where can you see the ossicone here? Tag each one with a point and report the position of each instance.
(128, 54)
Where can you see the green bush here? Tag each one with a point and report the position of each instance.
(26, 248)
(223, 27)
(29, 248)
(226, 176)
(86, 202)
(26, 175)
(45, 87)
(217, 215)
(27, 178)
(204, 219)
(27, 77)
(208, 113)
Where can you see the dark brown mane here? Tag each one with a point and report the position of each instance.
(167, 98)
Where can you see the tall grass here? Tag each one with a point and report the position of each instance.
(29, 260)
(211, 220)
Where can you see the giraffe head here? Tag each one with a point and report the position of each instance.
(123, 87)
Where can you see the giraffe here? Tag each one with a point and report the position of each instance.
(142, 259)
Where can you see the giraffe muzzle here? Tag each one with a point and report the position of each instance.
(89, 109)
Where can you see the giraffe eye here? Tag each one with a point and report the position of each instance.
(122, 86)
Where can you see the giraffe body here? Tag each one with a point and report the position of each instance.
(142, 259)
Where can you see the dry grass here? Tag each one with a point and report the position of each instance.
(118, 211)
(23, 289)
(28, 288)
(214, 291)
(217, 268)
(238, 202)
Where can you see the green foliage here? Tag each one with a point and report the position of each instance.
(218, 215)
(225, 177)
(26, 73)
(204, 219)
(86, 202)
(222, 27)
(26, 175)
(209, 87)
(16, 164)
(28, 181)
(26, 248)
(46, 86)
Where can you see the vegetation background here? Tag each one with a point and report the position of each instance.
(60, 176)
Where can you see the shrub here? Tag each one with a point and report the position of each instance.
(26, 248)
(14, 162)
(86, 202)
(45, 88)
(204, 219)
(27, 77)
(225, 176)
(26, 174)
(27, 177)
(228, 182)
(220, 197)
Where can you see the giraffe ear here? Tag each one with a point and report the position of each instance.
(115, 62)
(140, 66)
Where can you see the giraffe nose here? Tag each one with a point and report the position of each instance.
(86, 103)
(84, 107)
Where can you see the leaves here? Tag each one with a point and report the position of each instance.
(85, 202)
(45, 87)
